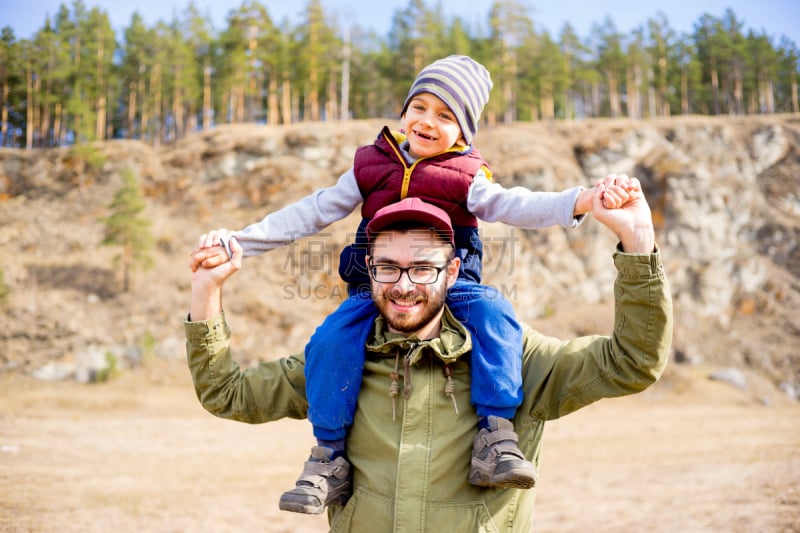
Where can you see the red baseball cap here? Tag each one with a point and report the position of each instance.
(411, 210)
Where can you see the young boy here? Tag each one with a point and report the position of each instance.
(434, 160)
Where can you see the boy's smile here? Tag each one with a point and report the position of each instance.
(431, 127)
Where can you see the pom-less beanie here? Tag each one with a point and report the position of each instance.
(460, 82)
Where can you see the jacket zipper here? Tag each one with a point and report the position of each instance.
(407, 170)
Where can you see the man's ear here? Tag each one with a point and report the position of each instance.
(452, 270)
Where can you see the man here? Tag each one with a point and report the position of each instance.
(409, 449)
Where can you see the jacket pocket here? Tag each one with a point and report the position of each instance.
(465, 516)
(365, 511)
(369, 511)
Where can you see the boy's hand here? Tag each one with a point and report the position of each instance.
(209, 252)
(618, 190)
(632, 222)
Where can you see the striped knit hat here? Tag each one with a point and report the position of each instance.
(461, 83)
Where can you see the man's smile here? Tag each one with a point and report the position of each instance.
(406, 303)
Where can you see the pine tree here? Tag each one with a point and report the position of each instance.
(4, 289)
(126, 227)
(74, 83)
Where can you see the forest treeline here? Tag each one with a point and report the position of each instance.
(76, 80)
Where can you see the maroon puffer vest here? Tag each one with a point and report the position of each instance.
(384, 177)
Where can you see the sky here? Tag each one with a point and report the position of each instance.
(775, 17)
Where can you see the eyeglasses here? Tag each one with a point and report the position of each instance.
(420, 274)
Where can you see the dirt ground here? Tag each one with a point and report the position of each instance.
(140, 454)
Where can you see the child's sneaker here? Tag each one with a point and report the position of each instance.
(497, 461)
(322, 483)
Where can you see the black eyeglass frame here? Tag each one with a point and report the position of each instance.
(407, 272)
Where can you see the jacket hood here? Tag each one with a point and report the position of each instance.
(453, 341)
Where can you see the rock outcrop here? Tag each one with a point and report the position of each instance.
(725, 194)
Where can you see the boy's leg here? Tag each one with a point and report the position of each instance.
(325, 481)
(330, 369)
(496, 368)
(333, 369)
(497, 461)
(496, 384)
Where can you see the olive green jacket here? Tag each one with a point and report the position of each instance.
(410, 464)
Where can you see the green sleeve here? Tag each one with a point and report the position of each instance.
(269, 391)
(560, 377)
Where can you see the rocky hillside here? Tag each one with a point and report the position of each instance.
(725, 193)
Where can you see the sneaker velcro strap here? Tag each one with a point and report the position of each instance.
(322, 469)
(339, 471)
(499, 435)
(507, 448)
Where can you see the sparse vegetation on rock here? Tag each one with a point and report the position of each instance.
(127, 227)
(725, 196)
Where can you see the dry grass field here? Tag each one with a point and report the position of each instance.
(139, 454)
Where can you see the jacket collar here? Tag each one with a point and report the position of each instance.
(453, 341)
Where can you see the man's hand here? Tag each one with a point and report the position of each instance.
(632, 222)
(207, 282)
(209, 252)
(208, 257)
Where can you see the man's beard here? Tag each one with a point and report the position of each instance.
(406, 323)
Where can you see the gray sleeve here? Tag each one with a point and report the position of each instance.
(305, 217)
(521, 207)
